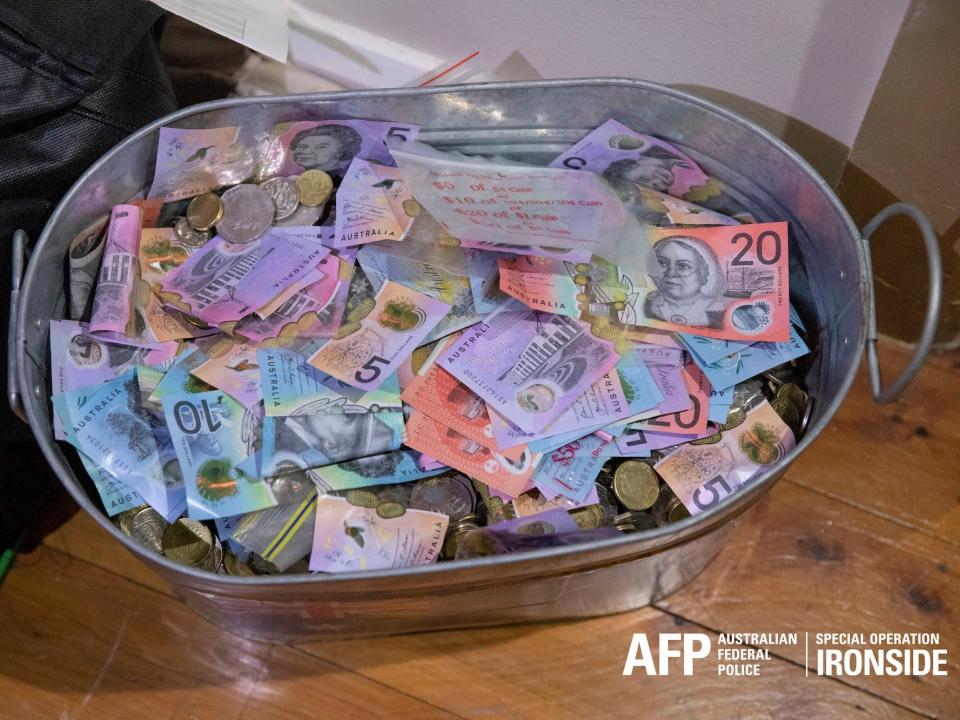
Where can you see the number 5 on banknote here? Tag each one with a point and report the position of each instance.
(399, 322)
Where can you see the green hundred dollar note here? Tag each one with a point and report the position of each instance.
(212, 433)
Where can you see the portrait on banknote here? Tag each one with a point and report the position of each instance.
(325, 147)
(689, 285)
(339, 436)
(374, 466)
(652, 168)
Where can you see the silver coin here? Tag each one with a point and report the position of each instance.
(285, 194)
(608, 502)
(247, 213)
(303, 216)
(214, 558)
(634, 521)
(188, 236)
(147, 528)
(452, 495)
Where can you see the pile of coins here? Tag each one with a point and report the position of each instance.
(632, 497)
(244, 212)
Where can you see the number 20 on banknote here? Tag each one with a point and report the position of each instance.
(729, 282)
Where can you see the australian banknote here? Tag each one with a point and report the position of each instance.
(108, 424)
(348, 538)
(83, 259)
(703, 475)
(316, 311)
(195, 161)
(529, 366)
(571, 470)
(541, 283)
(211, 435)
(330, 145)
(315, 420)
(386, 468)
(380, 265)
(399, 321)
(232, 367)
(480, 461)
(728, 283)
(367, 201)
(119, 270)
(218, 284)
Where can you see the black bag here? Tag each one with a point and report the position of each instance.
(76, 78)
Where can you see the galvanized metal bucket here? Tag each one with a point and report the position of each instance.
(830, 284)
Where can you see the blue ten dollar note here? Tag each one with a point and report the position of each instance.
(107, 424)
(212, 434)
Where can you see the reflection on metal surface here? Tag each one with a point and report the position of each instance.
(534, 120)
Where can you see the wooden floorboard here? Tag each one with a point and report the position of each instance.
(805, 563)
(901, 460)
(861, 535)
(82, 642)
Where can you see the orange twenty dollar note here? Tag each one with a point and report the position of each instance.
(479, 461)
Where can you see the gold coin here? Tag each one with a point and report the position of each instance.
(205, 211)
(587, 518)
(147, 528)
(634, 521)
(347, 329)
(452, 541)
(260, 566)
(708, 440)
(794, 394)
(389, 510)
(299, 567)
(636, 485)
(735, 417)
(235, 566)
(362, 498)
(358, 313)
(581, 279)
(445, 239)
(315, 187)
(124, 519)
(187, 542)
(495, 510)
(787, 411)
(412, 208)
(676, 511)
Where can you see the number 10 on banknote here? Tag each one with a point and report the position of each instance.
(398, 323)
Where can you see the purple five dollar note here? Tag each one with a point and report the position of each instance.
(217, 284)
(398, 323)
(112, 310)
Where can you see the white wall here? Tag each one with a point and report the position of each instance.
(815, 60)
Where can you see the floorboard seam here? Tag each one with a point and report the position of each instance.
(375, 680)
(291, 647)
(874, 511)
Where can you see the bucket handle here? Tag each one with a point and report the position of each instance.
(883, 395)
(19, 264)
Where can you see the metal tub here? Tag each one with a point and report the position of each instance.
(830, 283)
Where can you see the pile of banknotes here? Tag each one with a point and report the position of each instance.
(328, 347)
